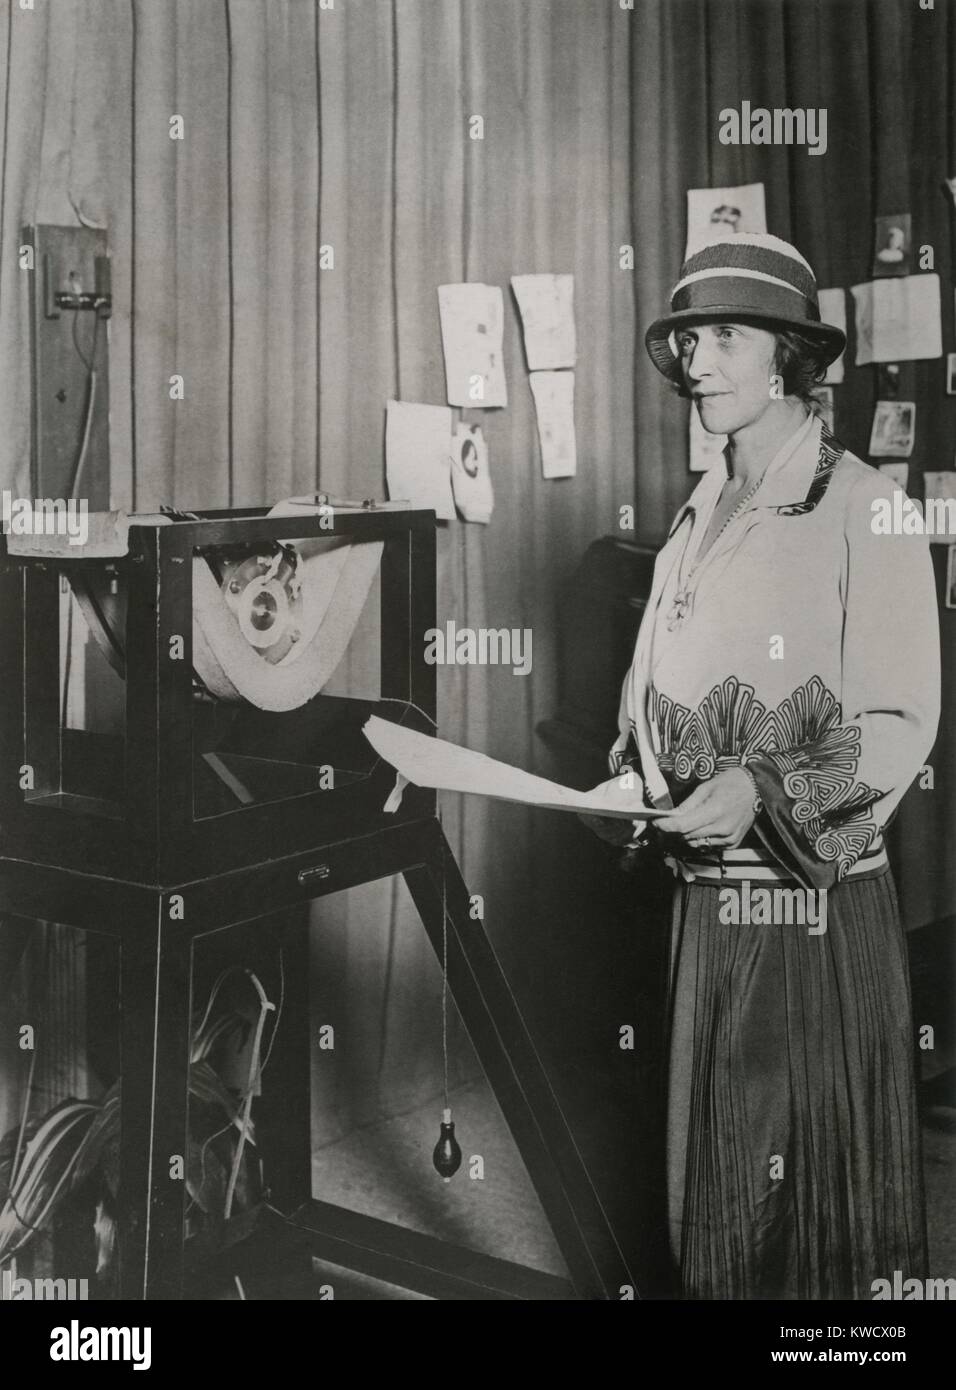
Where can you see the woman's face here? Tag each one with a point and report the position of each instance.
(727, 369)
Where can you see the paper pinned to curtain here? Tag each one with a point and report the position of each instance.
(433, 762)
(547, 317)
(554, 404)
(418, 451)
(472, 331)
(898, 320)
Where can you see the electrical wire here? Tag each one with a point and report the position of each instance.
(236, 1121)
(77, 472)
(444, 967)
(264, 1007)
(394, 700)
(91, 377)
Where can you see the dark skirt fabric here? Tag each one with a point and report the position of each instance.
(794, 1158)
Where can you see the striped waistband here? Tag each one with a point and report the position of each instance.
(736, 865)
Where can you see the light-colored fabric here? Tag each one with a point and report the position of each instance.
(809, 650)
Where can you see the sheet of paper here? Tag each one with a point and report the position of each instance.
(418, 450)
(720, 212)
(547, 317)
(472, 329)
(554, 403)
(899, 472)
(833, 310)
(470, 475)
(705, 448)
(940, 484)
(433, 762)
(898, 319)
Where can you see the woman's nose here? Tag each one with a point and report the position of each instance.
(699, 360)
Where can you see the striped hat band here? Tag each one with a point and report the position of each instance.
(759, 297)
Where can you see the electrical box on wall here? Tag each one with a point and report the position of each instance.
(70, 360)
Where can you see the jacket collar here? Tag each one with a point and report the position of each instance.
(794, 482)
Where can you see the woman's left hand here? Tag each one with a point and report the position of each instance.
(717, 814)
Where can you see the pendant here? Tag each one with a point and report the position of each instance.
(679, 609)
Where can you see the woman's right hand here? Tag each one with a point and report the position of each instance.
(624, 790)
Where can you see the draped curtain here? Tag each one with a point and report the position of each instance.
(306, 126)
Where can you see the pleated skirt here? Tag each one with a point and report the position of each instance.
(793, 1142)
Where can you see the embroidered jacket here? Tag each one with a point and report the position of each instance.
(808, 650)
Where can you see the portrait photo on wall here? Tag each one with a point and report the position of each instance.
(893, 236)
(894, 429)
(887, 381)
(713, 213)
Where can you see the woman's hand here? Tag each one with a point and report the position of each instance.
(716, 815)
(627, 789)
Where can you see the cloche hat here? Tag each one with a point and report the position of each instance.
(748, 275)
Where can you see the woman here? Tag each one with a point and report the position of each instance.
(783, 695)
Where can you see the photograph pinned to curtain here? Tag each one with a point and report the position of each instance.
(546, 303)
(887, 381)
(894, 429)
(899, 472)
(470, 474)
(704, 448)
(942, 487)
(898, 320)
(824, 405)
(833, 310)
(554, 406)
(472, 330)
(722, 212)
(951, 572)
(418, 449)
(951, 374)
(893, 244)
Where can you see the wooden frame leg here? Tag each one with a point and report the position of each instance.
(155, 1005)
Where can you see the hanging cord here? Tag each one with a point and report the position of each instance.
(444, 978)
(90, 364)
(444, 966)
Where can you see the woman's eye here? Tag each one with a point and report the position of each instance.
(685, 344)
